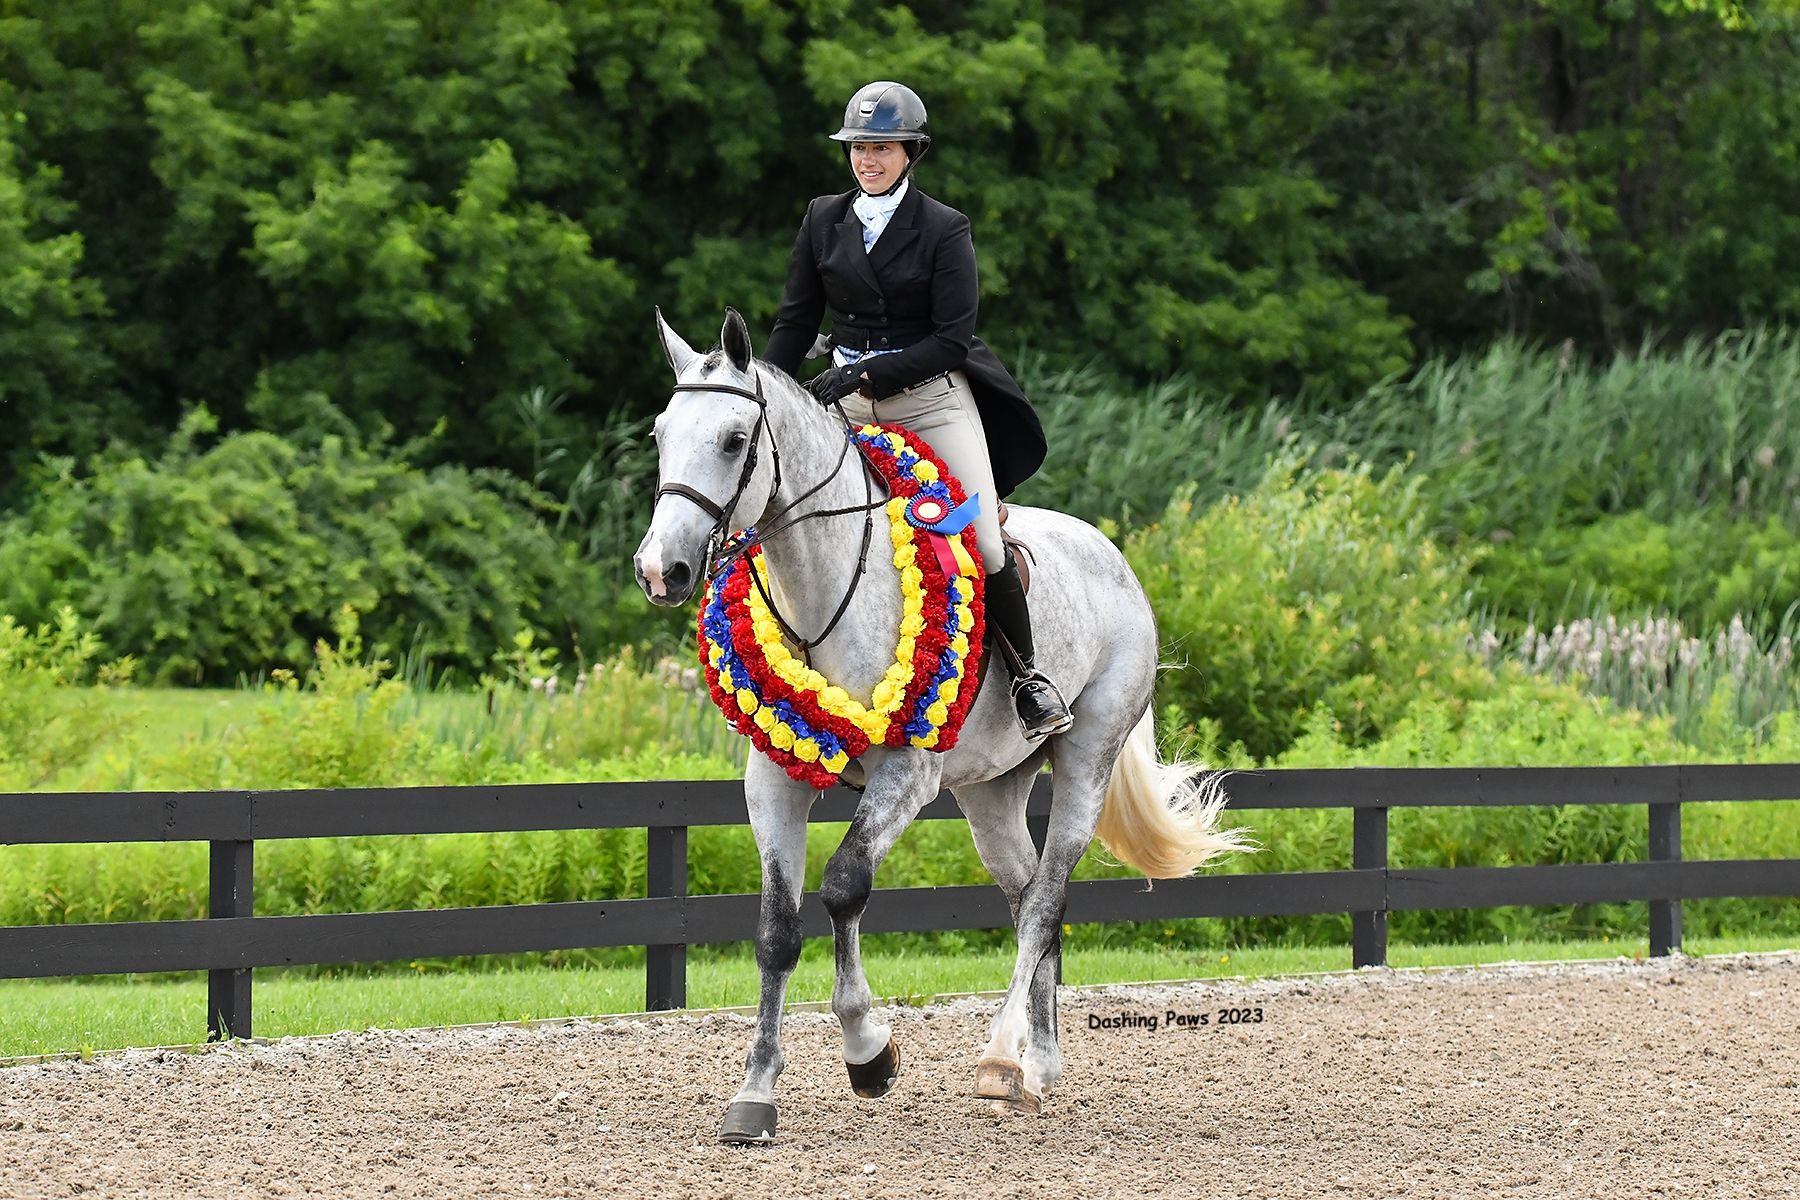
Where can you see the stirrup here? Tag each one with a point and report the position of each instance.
(1051, 713)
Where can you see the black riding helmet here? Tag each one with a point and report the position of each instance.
(885, 111)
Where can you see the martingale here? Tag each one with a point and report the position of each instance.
(794, 715)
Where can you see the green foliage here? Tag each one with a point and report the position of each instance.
(1518, 441)
(211, 561)
(1703, 567)
(1319, 589)
(352, 723)
(1566, 168)
(49, 316)
(1117, 453)
(46, 722)
(418, 214)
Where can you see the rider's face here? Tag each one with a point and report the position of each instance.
(877, 165)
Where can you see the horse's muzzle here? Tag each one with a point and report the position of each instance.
(668, 586)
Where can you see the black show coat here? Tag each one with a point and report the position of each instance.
(916, 289)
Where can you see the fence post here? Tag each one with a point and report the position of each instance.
(1369, 852)
(1665, 846)
(231, 892)
(1038, 826)
(665, 967)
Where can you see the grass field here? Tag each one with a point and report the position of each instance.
(52, 1017)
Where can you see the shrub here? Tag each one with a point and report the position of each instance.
(46, 723)
(1317, 589)
(228, 560)
(1704, 568)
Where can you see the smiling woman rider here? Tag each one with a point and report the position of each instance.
(897, 270)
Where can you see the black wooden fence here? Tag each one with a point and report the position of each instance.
(232, 941)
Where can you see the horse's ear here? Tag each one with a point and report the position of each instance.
(679, 353)
(735, 337)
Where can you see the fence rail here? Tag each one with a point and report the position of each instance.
(231, 941)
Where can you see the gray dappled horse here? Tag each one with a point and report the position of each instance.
(741, 442)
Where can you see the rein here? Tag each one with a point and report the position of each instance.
(719, 554)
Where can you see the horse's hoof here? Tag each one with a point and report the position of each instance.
(875, 1078)
(998, 1079)
(748, 1123)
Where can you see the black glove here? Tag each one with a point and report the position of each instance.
(834, 383)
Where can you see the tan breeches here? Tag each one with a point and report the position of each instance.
(943, 412)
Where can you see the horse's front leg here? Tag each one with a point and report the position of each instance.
(778, 808)
(901, 782)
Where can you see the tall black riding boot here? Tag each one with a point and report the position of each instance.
(1042, 711)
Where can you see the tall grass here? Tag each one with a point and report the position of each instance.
(1513, 438)
(1521, 439)
(1117, 454)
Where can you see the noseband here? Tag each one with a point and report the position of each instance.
(719, 554)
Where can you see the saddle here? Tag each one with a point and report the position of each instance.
(1023, 556)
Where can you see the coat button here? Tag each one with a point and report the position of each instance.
(851, 317)
(884, 320)
(884, 341)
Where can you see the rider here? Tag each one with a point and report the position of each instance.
(897, 270)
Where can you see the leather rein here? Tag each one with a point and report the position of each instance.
(720, 552)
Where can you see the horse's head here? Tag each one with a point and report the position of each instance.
(716, 468)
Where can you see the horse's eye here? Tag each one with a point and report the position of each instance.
(736, 442)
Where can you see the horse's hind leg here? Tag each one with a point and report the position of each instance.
(1082, 761)
(777, 807)
(900, 784)
(996, 813)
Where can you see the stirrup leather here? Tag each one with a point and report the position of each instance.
(1040, 706)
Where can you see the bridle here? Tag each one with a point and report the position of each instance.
(720, 551)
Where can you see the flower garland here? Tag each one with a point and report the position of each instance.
(794, 715)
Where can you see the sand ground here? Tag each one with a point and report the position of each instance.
(1663, 1079)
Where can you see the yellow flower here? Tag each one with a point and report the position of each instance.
(965, 620)
(835, 700)
(806, 750)
(713, 654)
(765, 717)
(886, 695)
(948, 692)
(937, 714)
(836, 762)
(900, 674)
(896, 443)
(925, 471)
(782, 736)
(726, 681)
(906, 556)
(912, 625)
(959, 643)
(746, 700)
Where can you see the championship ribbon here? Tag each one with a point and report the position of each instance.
(942, 524)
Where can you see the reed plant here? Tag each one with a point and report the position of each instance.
(1518, 438)
(1719, 692)
(1118, 453)
(1512, 439)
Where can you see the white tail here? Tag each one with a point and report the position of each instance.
(1163, 818)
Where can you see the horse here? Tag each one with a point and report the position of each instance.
(741, 445)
